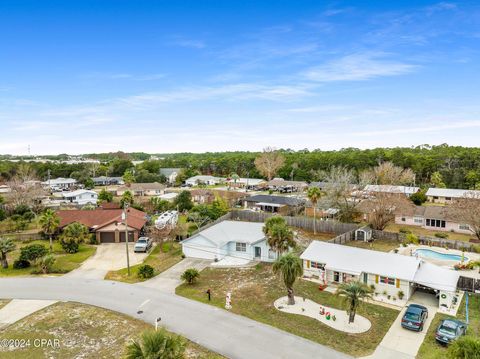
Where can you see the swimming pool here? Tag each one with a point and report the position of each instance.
(428, 253)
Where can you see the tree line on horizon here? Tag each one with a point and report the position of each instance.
(455, 166)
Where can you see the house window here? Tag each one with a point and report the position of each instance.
(240, 247)
(437, 223)
(387, 280)
(418, 220)
(403, 219)
(435, 197)
(271, 254)
(317, 265)
(464, 227)
(448, 198)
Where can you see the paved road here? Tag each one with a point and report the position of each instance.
(170, 279)
(231, 335)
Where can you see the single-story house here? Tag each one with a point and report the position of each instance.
(5, 188)
(106, 224)
(281, 185)
(246, 182)
(81, 197)
(60, 184)
(407, 190)
(243, 240)
(207, 196)
(170, 174)
(448, 195)
(437, 218)
(206, 180)
(107, 181)
(388, 272)
(142, 189)
(170, 197)
(274, 204)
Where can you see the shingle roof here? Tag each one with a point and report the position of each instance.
(101, 217)
(232, 231)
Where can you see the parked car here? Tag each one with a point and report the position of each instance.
(415, 317)
(449, 330)
(143, 244)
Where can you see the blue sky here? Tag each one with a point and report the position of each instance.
(175, 76)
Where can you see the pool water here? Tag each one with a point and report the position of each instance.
(428, 253)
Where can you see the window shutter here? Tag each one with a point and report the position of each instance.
(308, 264)
(398, 283)
(376, 278)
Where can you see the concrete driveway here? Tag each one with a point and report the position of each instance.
(170, 279)
(401, 343)
(109, 256)
(223, 332)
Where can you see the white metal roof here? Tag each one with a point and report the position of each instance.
(232, 231)
(60, 180)
(450, 192)
(433, 276)
(357, 260)
(78, 192)
(391, 189)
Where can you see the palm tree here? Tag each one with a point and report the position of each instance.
(279, 236)
(157, 344)
(6, 246)
(314, 195)
(235, 178)
(353, 293)
(49, 222)
(290, 267)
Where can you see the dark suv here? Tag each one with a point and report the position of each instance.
(415, 317)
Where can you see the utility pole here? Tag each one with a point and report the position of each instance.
(124, 217)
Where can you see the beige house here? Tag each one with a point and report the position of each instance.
(142, 189)
(436, 218)
(448, 195)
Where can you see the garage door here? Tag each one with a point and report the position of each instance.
(130, 237)
(107, 237)
(203, 252)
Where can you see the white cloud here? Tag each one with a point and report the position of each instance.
(358, 67)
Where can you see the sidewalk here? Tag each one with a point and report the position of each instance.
(19, 308)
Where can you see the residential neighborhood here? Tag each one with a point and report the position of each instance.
(240, 179)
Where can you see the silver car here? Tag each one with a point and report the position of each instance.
(143, 244)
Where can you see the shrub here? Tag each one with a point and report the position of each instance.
(411, 239)
(404, 231)
(21, 263)
(441, 235)
(464, 348)
(69, 244)
(33, 252)
(372, 287)
(73, 234)
(400, 294)
(190, 275)
(46, 263)
(145, 271)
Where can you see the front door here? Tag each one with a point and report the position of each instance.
(336, 277)
(258, 252)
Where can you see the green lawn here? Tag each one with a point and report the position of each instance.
(255, 289)
(430, 349)
(160, 258)
(393, 227)
(65, 262)
(83, 332)
(382, 245)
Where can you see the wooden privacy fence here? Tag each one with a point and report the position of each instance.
(344, 238)
(428, 241)
(469, 284)
(298, 221)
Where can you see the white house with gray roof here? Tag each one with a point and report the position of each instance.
(207, 180)
(243, 240)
